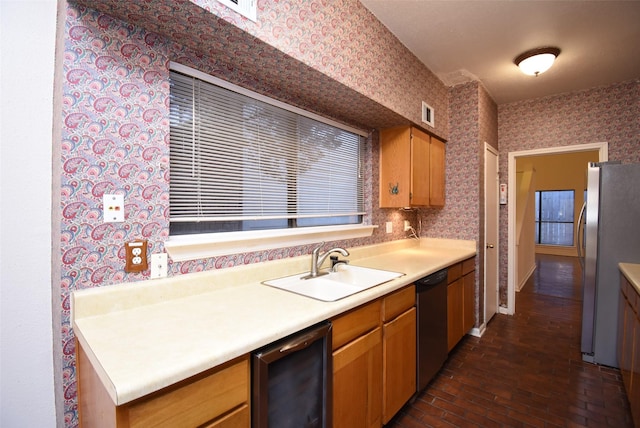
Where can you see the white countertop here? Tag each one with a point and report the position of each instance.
(632, 272)
(144, 336)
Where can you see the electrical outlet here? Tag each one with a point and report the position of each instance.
(136, 256)
(407, 225)
(389, 227)
(112, 208)
(159, 265)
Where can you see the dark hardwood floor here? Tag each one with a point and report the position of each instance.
(526, 370)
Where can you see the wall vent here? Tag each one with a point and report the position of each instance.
(427, 114)
(247, 8)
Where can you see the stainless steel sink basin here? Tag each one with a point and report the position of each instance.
(347, 280)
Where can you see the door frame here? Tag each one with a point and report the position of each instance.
(512, 260)
(494, 151)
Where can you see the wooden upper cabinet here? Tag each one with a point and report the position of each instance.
(420, 171)
(395, 167)
(411, 168)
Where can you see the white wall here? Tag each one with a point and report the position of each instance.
(27, 49)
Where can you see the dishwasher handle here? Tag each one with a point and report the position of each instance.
(433, 279)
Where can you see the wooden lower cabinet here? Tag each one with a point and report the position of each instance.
(217, 398)
(399, 370)
(629, 344)
(455, 329)
(460, 300)
(357, 368)
(469, 291)
(357, 382)
(374, 361)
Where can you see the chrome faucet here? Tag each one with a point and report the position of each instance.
(317, 260)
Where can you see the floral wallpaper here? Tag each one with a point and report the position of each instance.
(315, 48)
(473, 118)
(115, 126)
(605, 114)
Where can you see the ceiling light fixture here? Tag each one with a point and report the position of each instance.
(536, 61)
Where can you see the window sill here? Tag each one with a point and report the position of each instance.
(192, 247)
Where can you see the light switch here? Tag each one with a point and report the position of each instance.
(389, 227)
(113, 208)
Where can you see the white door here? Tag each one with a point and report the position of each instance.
(491, 185)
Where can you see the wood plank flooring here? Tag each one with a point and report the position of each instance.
(526, 370)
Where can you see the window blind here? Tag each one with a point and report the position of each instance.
(238, 163)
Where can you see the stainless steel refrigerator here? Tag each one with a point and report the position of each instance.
(611, 227)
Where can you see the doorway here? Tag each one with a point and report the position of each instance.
(512, 261)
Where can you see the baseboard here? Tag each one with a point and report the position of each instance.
(557, 250)
(504, 310)
(478, 331)
(526, 278)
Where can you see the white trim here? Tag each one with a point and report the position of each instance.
(603, 154)
(174, 66)
(490, 148)
(200, 246)
(478, 331)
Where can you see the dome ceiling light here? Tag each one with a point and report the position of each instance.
(536, 61)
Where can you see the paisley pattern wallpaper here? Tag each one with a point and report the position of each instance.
(606, 114)
(115, 136)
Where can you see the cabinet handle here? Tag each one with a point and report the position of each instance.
(489, 245)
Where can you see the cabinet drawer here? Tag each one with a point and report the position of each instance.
(355, 323)
(468, 265)
(239, 418)
(194, 403)
(398, 302)
(454, 272)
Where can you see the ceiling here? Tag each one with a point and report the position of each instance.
(461, 41)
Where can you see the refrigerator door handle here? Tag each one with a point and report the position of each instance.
(579, 232)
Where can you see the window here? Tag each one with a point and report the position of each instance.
(239, 163)
(244, 7)
(554, 217)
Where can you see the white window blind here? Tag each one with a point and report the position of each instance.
(238, 163)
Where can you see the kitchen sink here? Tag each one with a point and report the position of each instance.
(345, 281)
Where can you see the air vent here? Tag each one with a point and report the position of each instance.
(246, 8)
(427, 114)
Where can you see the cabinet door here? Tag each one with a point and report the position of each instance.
(395, 167)
(625, 315)
(399, 363)
(469, 307)
(436, 173)
(634, 394)
(420, 177)
(357, 383)
(455, 297)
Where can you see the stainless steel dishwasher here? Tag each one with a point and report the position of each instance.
(431, 303)
(292, 381)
